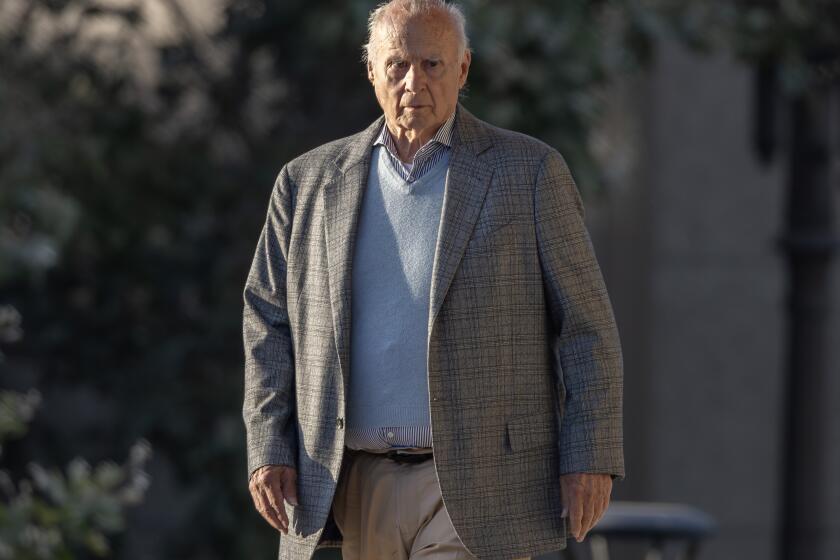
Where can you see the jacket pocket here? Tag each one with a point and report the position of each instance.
(485, 237)
(529, 431)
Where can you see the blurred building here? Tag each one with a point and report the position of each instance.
(687, 239)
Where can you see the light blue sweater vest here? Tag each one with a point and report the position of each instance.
(391, 280)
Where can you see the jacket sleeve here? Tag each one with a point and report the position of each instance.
(269, 402)
(586, 351)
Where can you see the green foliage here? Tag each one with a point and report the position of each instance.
(16, 410)
(56, 516)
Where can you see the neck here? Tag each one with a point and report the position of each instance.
(408, 141)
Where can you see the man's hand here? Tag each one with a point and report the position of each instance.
(269, 486)
(585, 499)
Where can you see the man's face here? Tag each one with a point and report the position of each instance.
(417, 72)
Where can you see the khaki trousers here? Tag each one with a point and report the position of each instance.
(393, 511)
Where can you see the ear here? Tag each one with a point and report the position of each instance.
(465, 68)
(370, 71)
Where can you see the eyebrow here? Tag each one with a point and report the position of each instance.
(394, 57)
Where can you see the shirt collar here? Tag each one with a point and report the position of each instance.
(442, 136)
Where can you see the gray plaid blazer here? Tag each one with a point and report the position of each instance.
(524, 360)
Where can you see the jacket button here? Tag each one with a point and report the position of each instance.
(339, 422)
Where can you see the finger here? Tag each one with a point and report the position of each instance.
(587, 514)
(602, 509)
(274, 491)
(594, 499)
(575, 513)
(597, 511)
(264, 509)
(270, 511)
(601, 499)
(289, 480)
(606, 489)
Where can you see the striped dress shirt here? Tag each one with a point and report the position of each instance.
(425, 158)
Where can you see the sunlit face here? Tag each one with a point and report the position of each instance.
(417, 71)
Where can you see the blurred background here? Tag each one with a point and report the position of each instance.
(139, 141)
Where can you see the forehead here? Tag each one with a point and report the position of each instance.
(425, 37)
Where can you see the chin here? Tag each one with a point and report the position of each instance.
(411, 121)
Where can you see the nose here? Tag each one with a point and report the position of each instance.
(415, 80)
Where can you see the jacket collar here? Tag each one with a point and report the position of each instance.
(467, 131)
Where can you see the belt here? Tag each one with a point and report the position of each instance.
(400, 457)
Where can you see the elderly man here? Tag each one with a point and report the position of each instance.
(432, 362)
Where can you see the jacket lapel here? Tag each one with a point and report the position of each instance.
(466, 185)
(467, 182)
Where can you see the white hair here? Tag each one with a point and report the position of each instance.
(405, 9)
